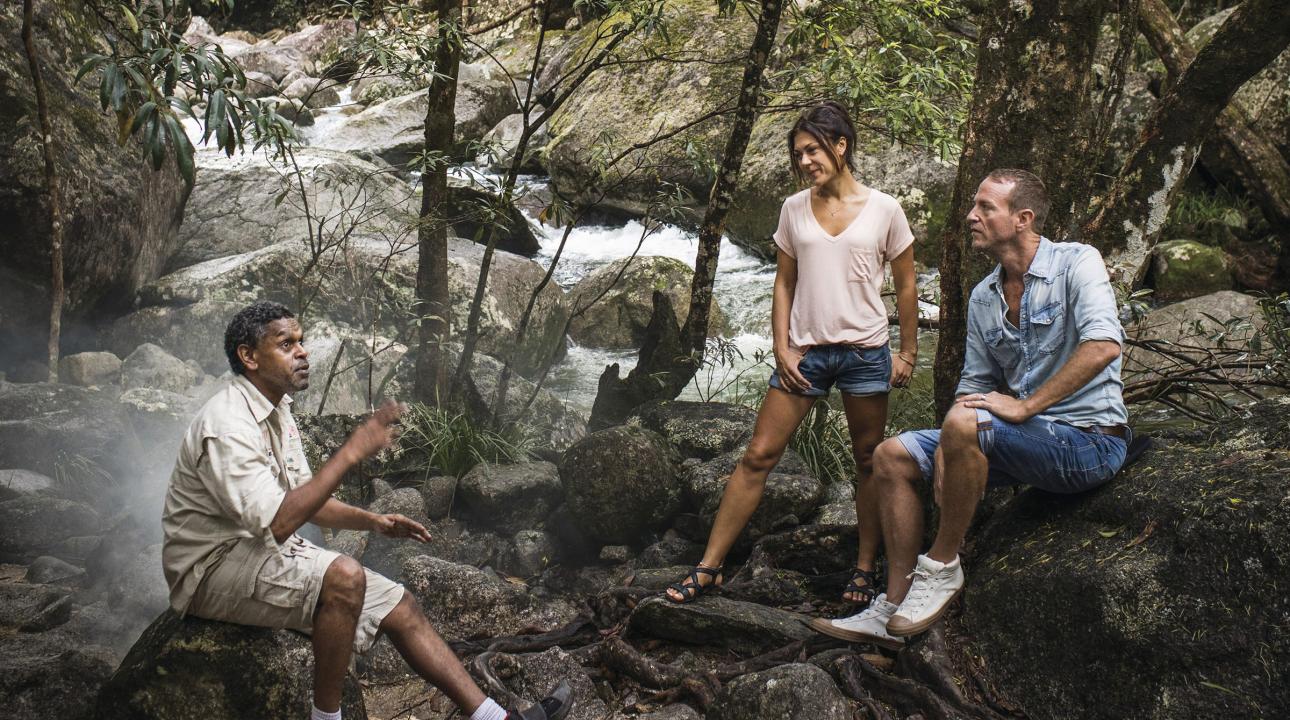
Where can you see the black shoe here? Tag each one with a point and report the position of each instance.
(554, 706)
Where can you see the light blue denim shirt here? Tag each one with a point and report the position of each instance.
(1067, 299)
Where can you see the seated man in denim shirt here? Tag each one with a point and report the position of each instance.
(1039, 403)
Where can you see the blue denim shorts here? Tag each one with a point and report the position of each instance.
(1049, 455)
(855, 370)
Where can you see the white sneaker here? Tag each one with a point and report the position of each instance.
(867, 626)
(935, 585)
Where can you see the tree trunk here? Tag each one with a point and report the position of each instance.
(694, 335)
(1128, 222)
(663, 374)
(1031, 109)
(55, 194)
(432, 229)
(1241, 153)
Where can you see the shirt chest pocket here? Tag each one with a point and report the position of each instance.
(1048, 323)
(1002, 348)
(864, 264)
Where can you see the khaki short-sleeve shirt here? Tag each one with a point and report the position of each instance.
(237, 461)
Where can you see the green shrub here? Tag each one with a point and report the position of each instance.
(452, 442)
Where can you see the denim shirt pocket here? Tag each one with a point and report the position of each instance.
(1048, 324)
(1001, 348)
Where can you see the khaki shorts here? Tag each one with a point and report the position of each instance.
(253, 585)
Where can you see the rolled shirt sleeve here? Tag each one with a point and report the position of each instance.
(242, 479)
(979, 372)
(1091, 299)
(783, 234)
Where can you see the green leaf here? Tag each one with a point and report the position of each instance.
(130, 19)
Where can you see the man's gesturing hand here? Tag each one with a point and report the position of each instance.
(400, 526)
(378, 432)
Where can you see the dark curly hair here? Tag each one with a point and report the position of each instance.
(827, 122)
(248, 326)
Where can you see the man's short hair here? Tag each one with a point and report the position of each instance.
(248, 327)
(1028, 193)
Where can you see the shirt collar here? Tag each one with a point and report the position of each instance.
(1041, 266)
(259, 404)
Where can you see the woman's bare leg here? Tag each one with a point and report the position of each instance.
(866, 419)
(781, 412)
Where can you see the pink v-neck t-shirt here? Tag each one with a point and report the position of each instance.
(839, 277)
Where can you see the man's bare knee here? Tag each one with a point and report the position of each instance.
(960, 427)
(345, 583)
(892, 463)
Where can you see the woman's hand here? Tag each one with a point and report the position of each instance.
(786, 362)
(902, 370)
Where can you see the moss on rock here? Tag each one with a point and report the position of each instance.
(1156, 596)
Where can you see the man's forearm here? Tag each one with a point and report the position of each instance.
(338, 515)
(303, 503)
(1089, 359)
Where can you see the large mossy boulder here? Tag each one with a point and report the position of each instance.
(620, 483)
(1184, 269)
(618, 308)
(1158, 595)
(1186, 327)
(120, 217)
(193, 668)
(464, 602)
(700, 430)
(612, 102)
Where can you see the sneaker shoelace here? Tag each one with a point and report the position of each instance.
(920, 588)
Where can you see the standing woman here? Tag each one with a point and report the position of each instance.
(830, 327)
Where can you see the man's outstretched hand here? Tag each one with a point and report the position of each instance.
(378, 432)
(400, 526)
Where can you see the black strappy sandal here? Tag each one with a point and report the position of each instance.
(690, 589)
(867, 592)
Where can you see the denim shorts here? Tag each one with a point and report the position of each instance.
(1049, 455)
(855, 370)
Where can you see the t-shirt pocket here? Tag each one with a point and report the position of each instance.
(863, 263)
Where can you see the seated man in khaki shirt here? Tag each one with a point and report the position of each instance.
(241, 489)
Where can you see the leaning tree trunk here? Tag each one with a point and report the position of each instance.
(663, 375)
(1128, 222)
(55, 195)
(1032, 108)
(432, 228)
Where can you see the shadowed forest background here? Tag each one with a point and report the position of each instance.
(548, 225)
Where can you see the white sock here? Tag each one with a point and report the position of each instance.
(322, 715)
(488, 710)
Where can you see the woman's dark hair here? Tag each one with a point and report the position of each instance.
(248, 326)
(827, 122)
